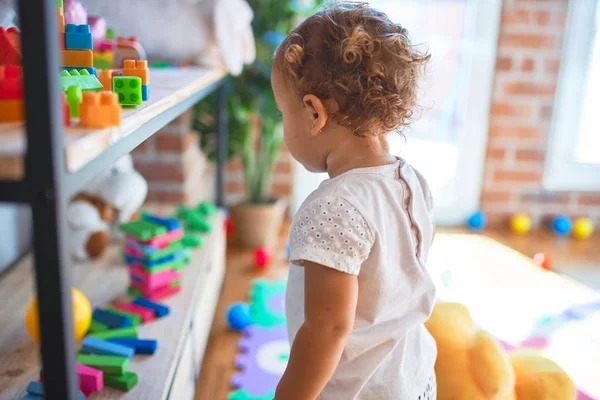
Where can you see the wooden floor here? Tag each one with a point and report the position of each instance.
(580, 260)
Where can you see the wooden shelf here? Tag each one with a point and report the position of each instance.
(170, 89)
(103, 281)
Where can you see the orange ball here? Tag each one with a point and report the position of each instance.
(82, 316)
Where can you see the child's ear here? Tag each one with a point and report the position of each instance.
(317, 113)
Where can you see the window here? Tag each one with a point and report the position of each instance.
(573, 161)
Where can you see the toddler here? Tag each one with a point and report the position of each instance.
(358, 290)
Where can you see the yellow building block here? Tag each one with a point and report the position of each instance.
(99, 110)
(11, 110)
(78, 58)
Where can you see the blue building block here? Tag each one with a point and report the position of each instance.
(145, 92)
(141, 346)
(78, 37)
(92, 71)
(35, 391)
(169, 223)
(112, 320)
(160, 309)
(177, 256)
(93, 345)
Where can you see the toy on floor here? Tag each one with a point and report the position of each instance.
(263, 256)
(583, 228)
(472, 365)
(543, 261)
(477, 221)
(82, 316)
(238, 316)
(520, 223)
(562, 225)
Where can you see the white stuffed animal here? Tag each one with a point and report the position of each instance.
(112, 198)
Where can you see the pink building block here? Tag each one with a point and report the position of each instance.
(150, 282)
(157, 294)
(90, 379)
(145, 313)
(161, 241)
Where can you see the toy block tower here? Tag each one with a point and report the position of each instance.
(138, 68)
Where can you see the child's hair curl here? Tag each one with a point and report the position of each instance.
(356, 56)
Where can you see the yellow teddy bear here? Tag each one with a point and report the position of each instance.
(471, 364)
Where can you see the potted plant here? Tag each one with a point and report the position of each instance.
(255, 131)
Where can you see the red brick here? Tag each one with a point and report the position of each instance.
(235, 165)
(527, 65)
(527, 41)
(495, 196)
(283, 167)
(155, 196)
(588, 199)
(183, 119)
(502, 109)
(529, 89)
(496, 154)
(515, 131)
(543, 17)
(234, 187)
(552, 66)
(161, 171)
(166, 143)
(506, 175)
(280, 190)
(495, 218)
(145, 147)
(530, 155)
(516, 16)
(504, 64)
(546, 112)
(545, 198)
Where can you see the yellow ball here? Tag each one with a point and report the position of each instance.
(520, 223)
(583, 228)
(82, 316)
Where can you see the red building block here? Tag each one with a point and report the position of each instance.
(137, 68)
(11, 110)
(99, 110)
(66, 112)
(11, 83)
(10, 47)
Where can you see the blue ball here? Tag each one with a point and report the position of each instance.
(562, 225)
(477, 221)
(238, 316)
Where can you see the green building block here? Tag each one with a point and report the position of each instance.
(206, 208)
(191, 240)
(260, 293)
(243, 395)
(114, 365)
(173, 248)
(74, 99)
(136, 320)
(96, 326)
(129, 89)
(178, 265)
(82, 78)
(59, 3)
(123, 382)
(133, 292)
(130, 332)
(110, 33)
(142, 230)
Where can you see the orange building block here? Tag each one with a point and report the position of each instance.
(137, 68)
(61, 20)
(11, 110)
(10, 46)
(99, 110)
(78, 58)
(105, 77)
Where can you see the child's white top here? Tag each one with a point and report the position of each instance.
(376, 223)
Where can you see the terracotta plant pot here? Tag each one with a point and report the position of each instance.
(257, 224)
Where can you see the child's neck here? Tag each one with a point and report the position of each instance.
(351, 152)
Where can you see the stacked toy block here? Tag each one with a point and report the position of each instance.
(11, 94)
(155, 254)
(77, 53)
(138, 68)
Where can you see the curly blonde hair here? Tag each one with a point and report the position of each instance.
(355, 55)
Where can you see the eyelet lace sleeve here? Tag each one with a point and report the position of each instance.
(332, 232)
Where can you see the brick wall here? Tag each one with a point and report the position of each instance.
(529, 51)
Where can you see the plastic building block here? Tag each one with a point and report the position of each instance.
(91, 70)
(137, 68)
(78, 37)
(159, 309)
(136, 320)
(104, 59)
(162, 240)
(156, 255)
(124, 382)
(114, 365)
(105, 77)
(141, 346)
(60, 16)
(96, 326)
(169, 223)
(90, 379)
(143, 230)
(206, 208)
(99, 110)
(110, 33)
(111, 319)
(82, 77)
(129, 89)
(78, 58)
(74, 96)
(161, 293)
(10, 46)
(65, 110)
(145, 313)
(35, 390)
(133, 292)
(11, 82)
(114, 333)
(145, 92)
(192, 241)
(149, 282)
(11, 110)
(155, 262)
(59, 3)
(104, 44)
(92, 345)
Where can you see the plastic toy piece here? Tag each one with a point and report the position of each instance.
(113, 365)
(133, 292)
(137, 68)
(162, 293)
(11, 110)
(10, 46)
(82, 77)
(141, 346)
(142, 230)
(145, 92)
(65, 110)
(59, 3)
(35, 390)
(150, 282)
(263, 256)
(169, 223)
(243, 395)
(60, 16)
(477, 221)
(78, 37)
(192, 241)
(105, 77)
(92, 345)
(99, 110)
(129, 89)
(155, 255)
(111, 319)
(11, 83)
(90, 379)
(520, 223)
(145, 313)
(238, 316)
(161, 240)
(91, 70)
(124, 382)
(562, 225)
(104, 59)
(206, 208)
(74, 96)
(116, 333)
(96, 326)
(583, 228)
(136, 320)
(159, 309)
(78, 58)
(173, 257)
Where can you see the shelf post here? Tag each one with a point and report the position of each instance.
(45, 173)
(222, 143)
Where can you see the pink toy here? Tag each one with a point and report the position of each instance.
(145, 313)
(160, 241)
(162, 293)
(263, 256)
(90, 379)
(148, 282)
(75, 12)
(97, 26)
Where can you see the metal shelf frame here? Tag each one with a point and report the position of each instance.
(47, 185)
